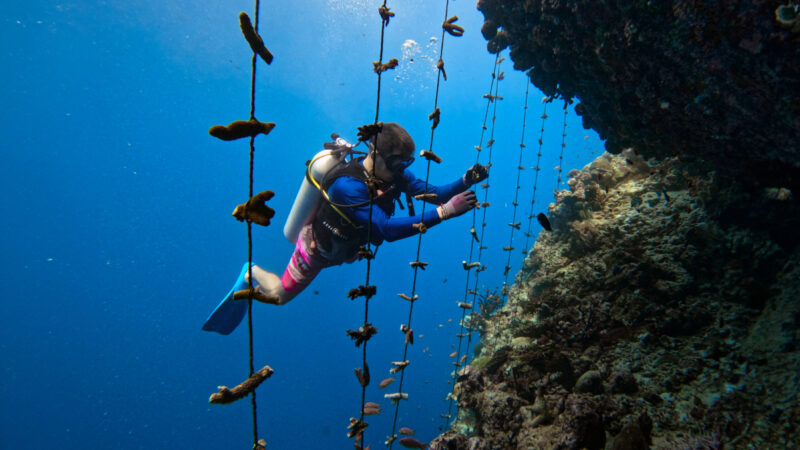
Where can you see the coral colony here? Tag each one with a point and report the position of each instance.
(659, 307)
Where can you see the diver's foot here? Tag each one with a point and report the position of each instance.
(261, 277)
(268, 284)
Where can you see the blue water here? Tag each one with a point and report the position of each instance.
(117, 239)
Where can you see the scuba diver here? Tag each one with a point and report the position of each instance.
(330, 220)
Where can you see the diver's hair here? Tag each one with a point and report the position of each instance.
(391, 137)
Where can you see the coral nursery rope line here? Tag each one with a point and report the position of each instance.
(513, 225)
(491, 98)
(250, 236)
(361, 426)
(422, 214)
(563, 146)
(537, 168)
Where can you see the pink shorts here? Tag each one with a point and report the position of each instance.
(304, 265)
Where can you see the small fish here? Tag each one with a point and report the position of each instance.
(453, 355)
(409, 442)
(666, 197)
(544, 222)
(385, 382)
(406, 431)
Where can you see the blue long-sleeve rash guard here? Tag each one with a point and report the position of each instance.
(349, 190)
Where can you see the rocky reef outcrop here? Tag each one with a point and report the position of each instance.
(661, 311)
(707, 79)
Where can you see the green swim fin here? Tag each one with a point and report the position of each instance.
(229, 313)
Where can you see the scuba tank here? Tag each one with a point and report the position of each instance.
(309, 197)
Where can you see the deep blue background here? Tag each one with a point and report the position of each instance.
(117, 240)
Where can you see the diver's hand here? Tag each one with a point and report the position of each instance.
(476, 174)
(457, 205)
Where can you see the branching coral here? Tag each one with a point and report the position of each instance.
(226, 395)
(256, 209)
(363, 333)
(362, 291)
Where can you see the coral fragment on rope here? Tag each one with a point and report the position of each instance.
(362, 291)
(379, 67)
(430, 156)
(363, 333)
(225, 395)
(255, 41)
(453, 29)
(240, 129)
(256, 209)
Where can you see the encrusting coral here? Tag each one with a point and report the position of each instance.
(660, 312)
(226, 395)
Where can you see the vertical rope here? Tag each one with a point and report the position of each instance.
(513, 225)
(419, 238)
(537, 168)
(563, 146)
(492, 98)
(250, 235)
(361, 436)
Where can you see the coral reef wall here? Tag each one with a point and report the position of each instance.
(711, 79)
(662, 311)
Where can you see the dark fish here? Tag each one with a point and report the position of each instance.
(406, 431)
(544, 222)
(409, 442)
(386, 382)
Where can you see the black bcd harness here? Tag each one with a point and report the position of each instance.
(333, 229)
